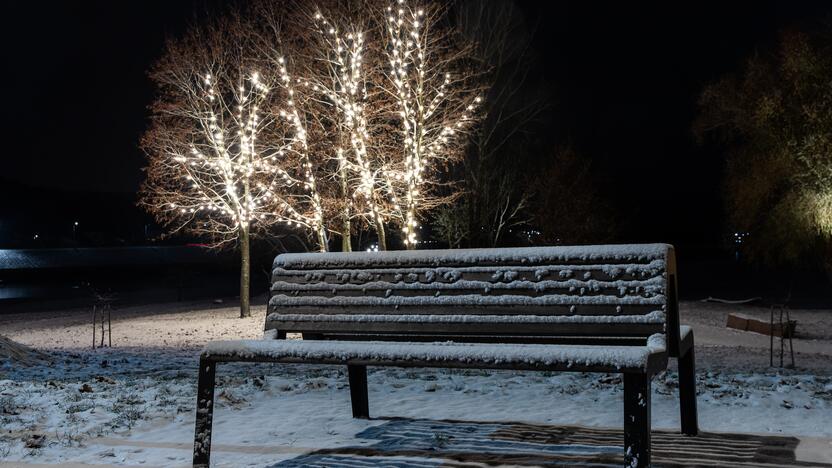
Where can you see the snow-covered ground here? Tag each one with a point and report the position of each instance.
(133, 404)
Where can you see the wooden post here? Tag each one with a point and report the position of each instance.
(636, 420)
(791, 332)
(204, 412)
(687, 393)
(771, 336)
(93, 326)
(358, 391)
(110, 327)
(103, 311)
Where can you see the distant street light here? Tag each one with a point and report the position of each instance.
(75, 230)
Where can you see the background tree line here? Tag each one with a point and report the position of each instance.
(773, 116)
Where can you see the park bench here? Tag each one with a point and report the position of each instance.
(609, 309)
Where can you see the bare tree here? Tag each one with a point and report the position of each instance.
(451, 223)
(325, 118)
(498, 183)
(391, 95)
(343, 74)
(436, 89)
(219, 165)
(328, 47)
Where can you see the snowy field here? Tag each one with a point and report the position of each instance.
(133, 404)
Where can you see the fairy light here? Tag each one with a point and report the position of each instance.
(253, 157)
(230, 181)
(345, 88)
(299, 144)
(433, 111)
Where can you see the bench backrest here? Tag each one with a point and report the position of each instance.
(621, 293)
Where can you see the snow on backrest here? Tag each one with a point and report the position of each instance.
(545, 290)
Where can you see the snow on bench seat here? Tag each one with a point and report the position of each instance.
(447, 354)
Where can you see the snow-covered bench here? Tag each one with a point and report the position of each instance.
(583, 309)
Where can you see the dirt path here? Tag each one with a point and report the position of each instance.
(178, 324)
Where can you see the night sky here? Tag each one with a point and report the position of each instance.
(624, 79)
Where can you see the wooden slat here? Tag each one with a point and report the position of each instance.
(478, 300)
(392, 309)
(358, 275)
(648, 287)
(528, 256)
(604, 340)
(403, 291)
(467, 328)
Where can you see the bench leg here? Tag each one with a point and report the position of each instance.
(204, 412)
(637, 420)
(358, 391)
(687, 393)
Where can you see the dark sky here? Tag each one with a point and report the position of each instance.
(624, 77)
(78, 88)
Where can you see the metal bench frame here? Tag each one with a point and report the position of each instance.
(637, 381)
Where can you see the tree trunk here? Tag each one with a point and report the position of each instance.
(245, 274)
(323, 242)
(382, 236)
(346, 229)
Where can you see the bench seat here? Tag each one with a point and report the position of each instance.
(650, 358)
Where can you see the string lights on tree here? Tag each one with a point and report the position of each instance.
(219, 164)
(392, 93)
(436, 96)
(310, 120)
(343, 77)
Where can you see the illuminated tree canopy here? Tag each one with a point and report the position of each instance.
(320, 118)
